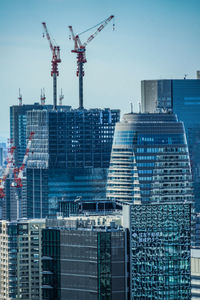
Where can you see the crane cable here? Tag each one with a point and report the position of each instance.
(93, 27)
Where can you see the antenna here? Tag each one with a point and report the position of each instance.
(139, 107)
(42, 96)
(131, 107)
(20, 98)
(61, 97)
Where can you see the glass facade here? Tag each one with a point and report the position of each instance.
(183, 97)
(84, 263)
(149, 160)
(69, 157)
(51, 264)
(159, 250)
(18, 122)
(104, 265)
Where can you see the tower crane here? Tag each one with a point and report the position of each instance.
(80, 49)
(6, 171)
(18, 172)
(54, 62)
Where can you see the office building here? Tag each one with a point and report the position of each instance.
(69, 157)
(183, 98)
(149, 160)
(63, 258)
(195, 273)
(20, 264)
(18, 121)
(87, 261)
(159, 250)
(8, 261)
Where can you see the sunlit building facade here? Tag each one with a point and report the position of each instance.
(149, 160)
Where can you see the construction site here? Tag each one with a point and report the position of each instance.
(58, 154)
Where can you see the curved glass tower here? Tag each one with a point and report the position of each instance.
(149, 160)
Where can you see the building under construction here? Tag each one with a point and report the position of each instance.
(70, 151)
(18, 121)
(69, 158)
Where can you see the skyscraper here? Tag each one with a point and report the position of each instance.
(159, 246)
(18, 121)
(69, 157)
(149, 160)
(87, 261)
(182, 96)
(63, 259)
(20, 264)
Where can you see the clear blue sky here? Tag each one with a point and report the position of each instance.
(153, 39)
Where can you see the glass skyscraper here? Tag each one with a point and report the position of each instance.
(18, 121)
(84, 263)
(149, 160)
(159, 246)
(69, 157)
(183, 98)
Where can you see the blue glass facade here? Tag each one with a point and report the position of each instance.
(159, 250)
(183, 98)
(72, 149)
(149, 160)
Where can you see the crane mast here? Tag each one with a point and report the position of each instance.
(80, 50)
(54, 62)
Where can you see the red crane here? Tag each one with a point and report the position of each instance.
(80, 49)
(18, 172)
(6, 171)
(54, 62)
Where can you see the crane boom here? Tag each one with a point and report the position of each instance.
(80, 49)
(47, 35)
(99, 29)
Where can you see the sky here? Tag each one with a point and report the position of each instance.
(153, 39)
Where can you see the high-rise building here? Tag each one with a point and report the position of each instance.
(149, 160)
(8, 261)
(19, 138)
(18, 121)
(20, 263)
(182, 96)
(159, 247)
(69, 157)
(88, 261)
(74, 258)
